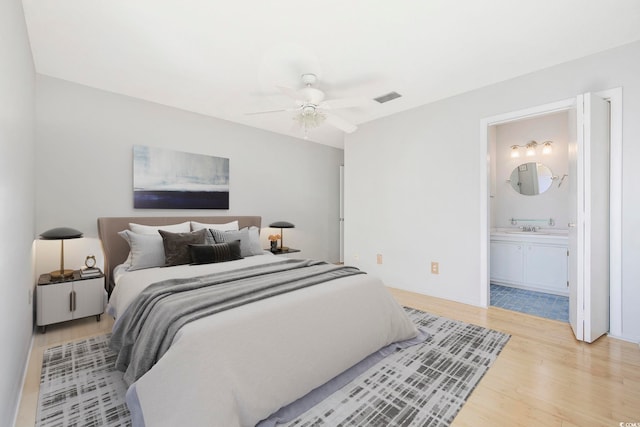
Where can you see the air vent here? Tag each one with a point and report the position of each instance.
(387, 97)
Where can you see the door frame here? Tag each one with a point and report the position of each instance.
(614, 96)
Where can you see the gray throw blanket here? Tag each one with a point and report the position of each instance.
(147, 328)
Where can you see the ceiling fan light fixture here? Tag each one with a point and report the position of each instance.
(309, 118)
(310, 107)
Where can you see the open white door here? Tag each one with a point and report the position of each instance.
(589, 219)
(576, 234)
(341, 217)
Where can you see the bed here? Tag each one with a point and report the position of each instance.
(240, 364)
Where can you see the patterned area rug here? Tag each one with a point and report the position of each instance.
(79, 386)
(424, 385)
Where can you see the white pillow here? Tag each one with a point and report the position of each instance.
(254, 241)
(229, 226)
(147, 250)
(183, 227)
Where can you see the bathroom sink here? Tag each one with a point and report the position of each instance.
(539, 233)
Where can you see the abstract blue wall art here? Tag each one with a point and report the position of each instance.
(168, 179)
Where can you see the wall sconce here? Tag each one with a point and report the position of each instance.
(530, 149)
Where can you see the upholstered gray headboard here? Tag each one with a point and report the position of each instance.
(116, 249)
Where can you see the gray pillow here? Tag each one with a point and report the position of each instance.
(176, 246)
(195, 226)
(249, 240)
(146, 250)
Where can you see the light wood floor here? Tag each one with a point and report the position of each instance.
(543, 377)
(55, 335)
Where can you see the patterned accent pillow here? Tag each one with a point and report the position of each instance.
(218, 252)
(176, 246)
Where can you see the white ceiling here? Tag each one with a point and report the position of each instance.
(224, 58)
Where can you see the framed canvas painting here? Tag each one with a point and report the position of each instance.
(168, 179)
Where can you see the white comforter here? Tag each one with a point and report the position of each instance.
(239, 366)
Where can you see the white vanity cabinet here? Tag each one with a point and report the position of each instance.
(530, 261)
(507, 262)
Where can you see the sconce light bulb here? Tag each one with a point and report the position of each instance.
(547, 149)
(515, 152)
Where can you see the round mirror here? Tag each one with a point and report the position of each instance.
(531, 178)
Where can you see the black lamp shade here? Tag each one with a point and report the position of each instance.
(61, 233)
(281, 224)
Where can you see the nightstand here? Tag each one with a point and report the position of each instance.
(70, 298)
(283, 252)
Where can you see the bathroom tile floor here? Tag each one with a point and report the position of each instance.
(550, 306)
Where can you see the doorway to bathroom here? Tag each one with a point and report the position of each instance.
(593, 195)
(528, 239)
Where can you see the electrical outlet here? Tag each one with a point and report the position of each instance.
(435, 267)
(356, 257)
(379, 258)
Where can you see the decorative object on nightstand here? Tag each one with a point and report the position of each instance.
(281, 225)
(90, 272)
(273, 241)
(68, 298)
(90, 261)
(90, 269)
(62, 234)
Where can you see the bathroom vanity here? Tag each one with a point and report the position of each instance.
(535, 260)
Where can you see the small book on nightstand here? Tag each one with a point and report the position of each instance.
(90, 272)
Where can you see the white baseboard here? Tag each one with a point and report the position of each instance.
(24, 379)
(622, 338)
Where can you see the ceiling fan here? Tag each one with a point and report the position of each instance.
(312, 110)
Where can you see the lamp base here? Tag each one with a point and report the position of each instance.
(61, 274)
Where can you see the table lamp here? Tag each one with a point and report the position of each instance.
(281, 225)
(62, 234)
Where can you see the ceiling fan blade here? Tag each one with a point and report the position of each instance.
(291, 93)
(340, 123)
(334, 104)
(272, 111)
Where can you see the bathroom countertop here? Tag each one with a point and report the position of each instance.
(516, 234)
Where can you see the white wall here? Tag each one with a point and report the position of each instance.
(84, 168)
(413, 180)
(507, 203)
(17, 111)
